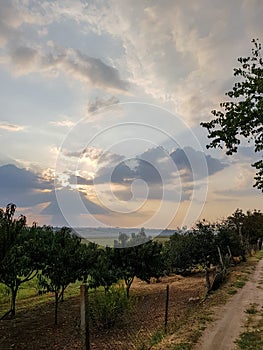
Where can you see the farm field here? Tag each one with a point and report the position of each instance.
(33, 327)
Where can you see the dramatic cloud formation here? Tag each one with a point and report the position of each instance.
(23, 187)
(68, 71)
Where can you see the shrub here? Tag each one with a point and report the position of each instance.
(108, 307)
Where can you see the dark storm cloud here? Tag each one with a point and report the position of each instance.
(160, 170)
(23, 187)
(12, 177)
(154, 167)
(193, 162)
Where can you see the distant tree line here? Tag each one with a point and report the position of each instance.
(58, 257)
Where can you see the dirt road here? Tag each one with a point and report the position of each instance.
(221, 334)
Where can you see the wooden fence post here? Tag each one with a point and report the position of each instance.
(166, 308)
(84, 317)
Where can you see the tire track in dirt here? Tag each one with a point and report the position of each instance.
(221, 334)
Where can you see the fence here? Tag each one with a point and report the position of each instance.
(158, 307)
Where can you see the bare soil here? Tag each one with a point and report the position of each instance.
(33, 328)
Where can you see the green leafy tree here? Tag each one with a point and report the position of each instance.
(178, 253)
(63, 263)
(194, 248)
(152, 261)
(143, 261)
(253, 227)
(228, 239)
(248, 226)
(9, 228)
(20, 254)
(104, 271)
(88, 258)
(242, 115)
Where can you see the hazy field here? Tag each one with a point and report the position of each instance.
(105, 236)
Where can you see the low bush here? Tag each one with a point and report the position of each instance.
(108, 307)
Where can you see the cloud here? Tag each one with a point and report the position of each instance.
(11, 127)
(28, 189)
(90, 70)
(173, 50)
(23, 187)
(79, 180)
(24, 59)
(156, 166)
(98, 73)
(92, 153)
(63, 123)
(167, 49)
(83, 67)
(171, 174)
(246, 154)
(26, 50)
(192, 162)
(101, 103)
(12, 16)
(12, 177)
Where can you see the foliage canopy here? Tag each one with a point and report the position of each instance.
(242, 116)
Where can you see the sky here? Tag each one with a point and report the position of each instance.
(101, 103)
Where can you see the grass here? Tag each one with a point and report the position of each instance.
(239, 284)
(232, 291)
(252, 337)
(157, 337)
(240, 281)
(206, 317)
(28, 295)
(259, 254)
(250, 341)
(252, 310)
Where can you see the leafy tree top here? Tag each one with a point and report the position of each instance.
(242, 115)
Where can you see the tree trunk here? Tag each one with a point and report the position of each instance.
(207, 279)
(56, 308)
(13, 301)
(62, 294)
(128, 286)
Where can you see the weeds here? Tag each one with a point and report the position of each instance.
(240, 282)
(232, 291)
(157, 337)
(252, 338)
(252, 309)
(250, 341)
(106, 308)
